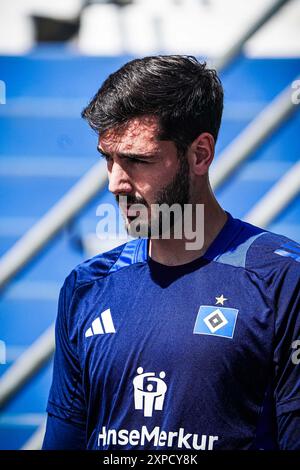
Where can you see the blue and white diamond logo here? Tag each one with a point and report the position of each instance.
(216, 321)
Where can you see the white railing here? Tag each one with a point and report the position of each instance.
(253, 136)
(36, 440)
(276, 199)
(233, 51)
(52, 222)
(27, 364)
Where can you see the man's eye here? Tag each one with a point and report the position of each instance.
(136, 161)
(130, 160)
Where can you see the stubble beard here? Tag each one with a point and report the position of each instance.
(176, 192)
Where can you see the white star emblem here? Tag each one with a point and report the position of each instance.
(220, 300)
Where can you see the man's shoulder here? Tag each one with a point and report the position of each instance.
(259, 250)
(271, 251)
(107, 263)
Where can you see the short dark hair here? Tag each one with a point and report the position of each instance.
(185, 95)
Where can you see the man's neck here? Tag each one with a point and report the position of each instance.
(174, 252)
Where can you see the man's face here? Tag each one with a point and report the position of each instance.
(144, 169)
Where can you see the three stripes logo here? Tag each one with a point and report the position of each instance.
(102, 325)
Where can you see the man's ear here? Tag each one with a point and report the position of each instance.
(201, 154)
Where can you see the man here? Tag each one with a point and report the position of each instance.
(161, 345)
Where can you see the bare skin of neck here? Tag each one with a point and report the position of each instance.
(173, 252)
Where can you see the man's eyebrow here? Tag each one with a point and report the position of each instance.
(128, 155)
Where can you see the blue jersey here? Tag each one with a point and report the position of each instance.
(199, 356)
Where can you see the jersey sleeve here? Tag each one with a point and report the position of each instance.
(286, 358)
(66, 398)
(63, 435)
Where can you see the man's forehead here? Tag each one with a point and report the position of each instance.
(136, 133)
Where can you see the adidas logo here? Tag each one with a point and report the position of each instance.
(101, 326)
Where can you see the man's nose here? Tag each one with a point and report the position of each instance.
(119, 182)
